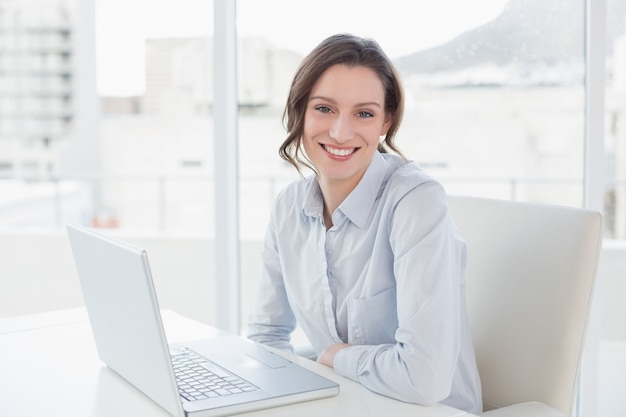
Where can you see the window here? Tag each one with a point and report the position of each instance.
(158, 108)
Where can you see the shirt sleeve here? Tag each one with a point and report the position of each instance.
(272, 320)
(429, 263)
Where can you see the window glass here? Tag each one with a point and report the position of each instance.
(615, 128)
(35, 46)
(106, 120)
(110, 99)
(157, 108)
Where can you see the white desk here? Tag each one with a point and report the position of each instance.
(49, 367)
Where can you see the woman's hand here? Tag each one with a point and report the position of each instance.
(327, 357)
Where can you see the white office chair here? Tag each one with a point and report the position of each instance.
(530, 280)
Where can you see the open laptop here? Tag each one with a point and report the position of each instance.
(227, 374)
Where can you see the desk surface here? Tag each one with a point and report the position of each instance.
(49, 367)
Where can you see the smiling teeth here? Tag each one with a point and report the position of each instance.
(339, 152)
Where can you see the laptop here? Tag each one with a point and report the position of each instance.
(212, 377)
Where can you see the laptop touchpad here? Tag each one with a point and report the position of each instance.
(266, 358)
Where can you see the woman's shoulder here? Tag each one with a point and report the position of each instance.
(295, 188)
(293, 193)
(411, 190)
(405, 175)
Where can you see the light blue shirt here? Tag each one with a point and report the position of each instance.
(387, 278)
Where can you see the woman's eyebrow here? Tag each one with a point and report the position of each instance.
(366, 103)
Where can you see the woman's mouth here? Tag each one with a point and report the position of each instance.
(341, 152)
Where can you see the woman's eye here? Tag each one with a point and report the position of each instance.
(365, 114)
(323, 109)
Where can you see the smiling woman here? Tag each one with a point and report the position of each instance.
(367, 236)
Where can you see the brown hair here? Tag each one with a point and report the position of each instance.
(348, 50)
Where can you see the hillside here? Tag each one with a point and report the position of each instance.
(527, 33)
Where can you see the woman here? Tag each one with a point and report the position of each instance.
(363, 255)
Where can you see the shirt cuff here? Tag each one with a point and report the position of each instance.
(347, 360)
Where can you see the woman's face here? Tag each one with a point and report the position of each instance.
(344, 120)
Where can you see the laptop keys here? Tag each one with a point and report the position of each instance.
(199, 379)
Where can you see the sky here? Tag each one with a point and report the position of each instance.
(401, 27)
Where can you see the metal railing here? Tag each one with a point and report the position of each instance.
(169, 203)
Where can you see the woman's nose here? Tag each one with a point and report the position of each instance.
(341, 129)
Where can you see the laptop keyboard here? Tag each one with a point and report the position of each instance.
(199, 379)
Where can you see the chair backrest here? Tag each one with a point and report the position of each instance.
(530, 279)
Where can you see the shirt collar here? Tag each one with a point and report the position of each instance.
(313, 204)
(359, 203)
(357, 206)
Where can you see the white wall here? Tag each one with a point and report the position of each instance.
(37, 273)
